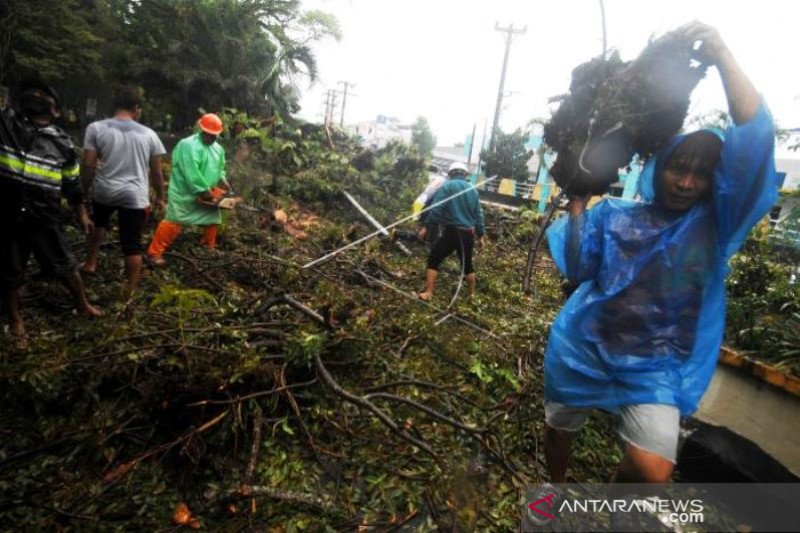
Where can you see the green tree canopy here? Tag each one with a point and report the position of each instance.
(245, 54)
(52, 38)
(720, 119)
(188, 55)
(422, 137)
(510, 157)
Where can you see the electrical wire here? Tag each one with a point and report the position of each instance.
(428, 304)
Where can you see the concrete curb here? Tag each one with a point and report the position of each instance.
(766, 373)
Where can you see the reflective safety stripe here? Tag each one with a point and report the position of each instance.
(71, 172)
(37, 171)
(43, 183)
(11, 162)
(7, 150)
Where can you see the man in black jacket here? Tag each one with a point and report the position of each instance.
(38, 166)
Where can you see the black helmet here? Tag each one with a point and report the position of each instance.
(35, 83)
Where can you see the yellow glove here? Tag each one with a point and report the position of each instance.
(416, 208)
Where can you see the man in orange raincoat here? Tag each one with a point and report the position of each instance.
(197, 180)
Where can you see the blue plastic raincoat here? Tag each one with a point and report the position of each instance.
(646, 322)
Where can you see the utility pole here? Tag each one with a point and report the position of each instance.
(510, 32)
(483, 143)
(603, 22)
(328, 107)
(344, 101)
(471, 144)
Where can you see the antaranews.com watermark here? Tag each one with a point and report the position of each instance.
(668, 507)
(673, 510)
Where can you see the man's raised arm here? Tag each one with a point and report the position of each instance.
(743, 99)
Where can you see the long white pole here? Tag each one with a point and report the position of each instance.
(374, 222)
(393, 224)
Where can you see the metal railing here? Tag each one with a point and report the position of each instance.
(785, 237)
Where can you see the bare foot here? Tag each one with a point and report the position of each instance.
(87, 267)
(17, 329)
(19, 340)
(92, 311)
(158, 261)
(425, 296)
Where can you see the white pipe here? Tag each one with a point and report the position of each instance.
(375, 222)
(393, 224)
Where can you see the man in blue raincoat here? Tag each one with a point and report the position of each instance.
(641, 334)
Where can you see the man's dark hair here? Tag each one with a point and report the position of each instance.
(698, 152)
(128, 98)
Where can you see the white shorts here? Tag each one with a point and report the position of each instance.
(653, 427)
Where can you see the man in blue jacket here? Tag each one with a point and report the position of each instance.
(456, 207)
(641, 335)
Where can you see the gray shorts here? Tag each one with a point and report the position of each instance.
(653, 427)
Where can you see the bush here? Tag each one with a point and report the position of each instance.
(764, 304)
(275, 160)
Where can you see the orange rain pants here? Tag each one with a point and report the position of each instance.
(167, 232)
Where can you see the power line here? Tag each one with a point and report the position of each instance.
(510, 32)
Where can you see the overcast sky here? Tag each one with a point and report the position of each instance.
(441, 59)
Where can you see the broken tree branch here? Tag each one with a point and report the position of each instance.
(375, 223)
(358, 401)
(258, 422)
(432, 412)
(284, 496)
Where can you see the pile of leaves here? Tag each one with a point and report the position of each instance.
(240, 390)
(616, 109)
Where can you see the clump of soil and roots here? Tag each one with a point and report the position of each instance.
(616, 109)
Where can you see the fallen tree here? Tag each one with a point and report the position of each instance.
(240, 390)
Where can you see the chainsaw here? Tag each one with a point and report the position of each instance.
(219, 198)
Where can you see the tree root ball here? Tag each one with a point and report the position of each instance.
(617, 109)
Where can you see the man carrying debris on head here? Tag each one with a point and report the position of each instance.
(641, 335)
(128, 153)
(459, 211)
(38, 166)
(197, 182)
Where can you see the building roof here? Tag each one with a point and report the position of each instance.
(792, 169)
(444, 155)
(454, 153)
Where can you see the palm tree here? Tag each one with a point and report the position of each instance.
(247, 54)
